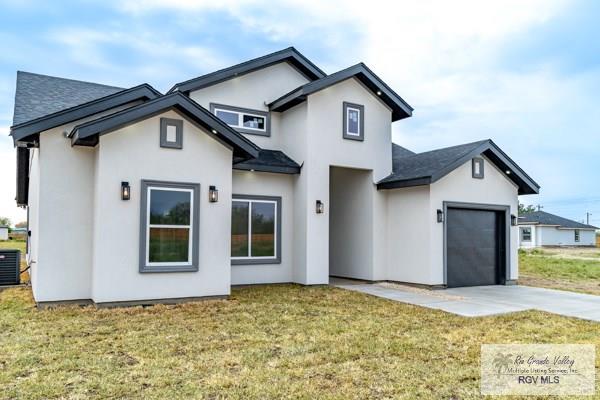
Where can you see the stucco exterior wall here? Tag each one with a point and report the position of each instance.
(552, 236)
(460, 186)
(132, 154)
(267, 184)
(408, 236)
(326, 147)
(254, 91)
(3, 233)
(351, 223)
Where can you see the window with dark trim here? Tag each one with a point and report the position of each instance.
(478, 168)
(244, 120)
(169, 226)
(255, 230)
(526, 234)
(577, 235)
(171, 133)
(354, 121)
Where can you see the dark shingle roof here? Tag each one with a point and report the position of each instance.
(39, 95)
(270, 161)
(399, 152)
(544, 218)
(426, 168)
(400, 108)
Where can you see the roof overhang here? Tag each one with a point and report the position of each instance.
(289, 55)
(88, 134)
(525, 184)
(27, 132)
(400, 108)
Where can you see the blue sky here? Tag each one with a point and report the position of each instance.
(526, 74)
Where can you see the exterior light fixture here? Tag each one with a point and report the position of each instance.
(508, 172)
(320, 207)
(440, 216)
(125, 191)
(513, 220)
(214, 131)
(379, 93)
(213, 194)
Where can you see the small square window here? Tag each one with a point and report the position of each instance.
(526, 234)
(478, 168)
(354, 121)
(171, 133)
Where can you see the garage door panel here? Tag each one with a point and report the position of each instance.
(472, 247)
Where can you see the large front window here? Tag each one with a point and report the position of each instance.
(169, 226)
(255, 230)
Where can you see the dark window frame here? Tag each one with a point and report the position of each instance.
(474, 163)
(523, 229)
(361, 122)
(577, 234)
(145, 185)
(240, 110)
(257, 260)
(178, 124)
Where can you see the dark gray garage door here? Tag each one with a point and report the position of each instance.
(475, 247)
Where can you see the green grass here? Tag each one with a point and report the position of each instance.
(266, 342)
(558, 271)
(13, 244)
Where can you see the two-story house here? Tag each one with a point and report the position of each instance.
(268, 171)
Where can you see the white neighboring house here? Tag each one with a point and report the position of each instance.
(539, 228)
(4, 232)
(268, 171)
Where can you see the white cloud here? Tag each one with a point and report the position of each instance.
(8, 207)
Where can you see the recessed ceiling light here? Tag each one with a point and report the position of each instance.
(379, 93)
(251, 170)
(507, 172)
(214, 131)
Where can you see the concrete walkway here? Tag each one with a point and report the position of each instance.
(481, 301)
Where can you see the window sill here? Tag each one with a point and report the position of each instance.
(256, 262)
(167, 269)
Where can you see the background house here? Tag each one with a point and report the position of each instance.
(539, 228)
(3, 232)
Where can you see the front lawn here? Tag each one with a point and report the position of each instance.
(266, 342)
(567, 269)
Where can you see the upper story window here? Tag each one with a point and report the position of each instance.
(171, 133)
(169, 227)
(354, 121)
(477, 168)
(244, 120)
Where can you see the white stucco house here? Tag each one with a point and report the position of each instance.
(539, 229)
(4, 232)
(268, 171)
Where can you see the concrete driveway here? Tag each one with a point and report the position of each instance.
(481, 301)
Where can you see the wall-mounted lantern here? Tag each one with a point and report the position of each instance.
(125, 191)
(320, 207)
(213, 194)
(440, 216)
(513, 220)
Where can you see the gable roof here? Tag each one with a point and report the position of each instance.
(399, 151)
(270, 161)
(27, 131)
(400, 108)
(428, 167)
(38, 95)
(87, 134)
(290, 55)
(545, 218)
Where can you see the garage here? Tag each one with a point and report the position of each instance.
(476, 239)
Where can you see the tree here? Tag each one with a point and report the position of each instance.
(523, 209)
(5, 221)
(22, 224)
